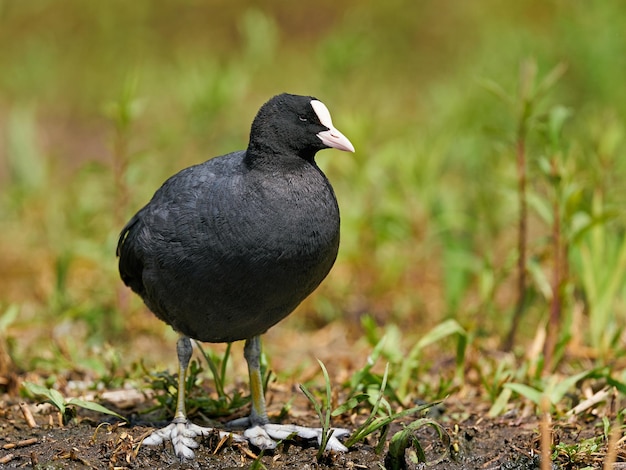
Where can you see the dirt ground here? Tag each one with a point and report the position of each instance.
(481, 444)
(93, 440)
(508, 442)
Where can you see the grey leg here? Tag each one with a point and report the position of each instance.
(261, 432)
(180, 431)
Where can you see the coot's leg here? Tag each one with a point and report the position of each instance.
(181, 431)
(260, 432)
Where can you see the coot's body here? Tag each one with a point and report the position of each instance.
(226, 249)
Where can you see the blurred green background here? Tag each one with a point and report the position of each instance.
(102, 101)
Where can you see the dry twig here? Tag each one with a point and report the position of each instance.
(24, 443)
(28, 416)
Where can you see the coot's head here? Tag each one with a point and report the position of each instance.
(295, 124)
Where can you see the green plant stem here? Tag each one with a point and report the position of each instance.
(217, 370)
(323, 411)
(521, 237)
(528, 73)
(556, 301)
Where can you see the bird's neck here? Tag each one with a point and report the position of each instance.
(269, 155)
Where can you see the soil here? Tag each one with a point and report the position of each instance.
(88, 441)
(476, 440)
(84, 444)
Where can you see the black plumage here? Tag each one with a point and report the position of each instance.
(228, 248)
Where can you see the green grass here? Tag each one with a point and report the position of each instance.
(66, 407)
(99, 103)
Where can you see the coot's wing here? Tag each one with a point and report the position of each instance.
(131, 265)
(157, 222)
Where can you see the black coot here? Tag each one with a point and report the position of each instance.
(228, 248)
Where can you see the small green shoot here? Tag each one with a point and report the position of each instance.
(364, 379)
(217, 366)
(402, 440)
(378, 420)
(602, 260)
(578, 452)
(66, 407)
(197, 398)
(322, 410)
(555, 389)
(441, 331)
(257, 464)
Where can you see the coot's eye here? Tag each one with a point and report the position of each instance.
(302, 118)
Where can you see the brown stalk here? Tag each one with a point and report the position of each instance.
(545, 429)
(528, 73)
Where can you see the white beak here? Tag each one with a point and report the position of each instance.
(332, 137)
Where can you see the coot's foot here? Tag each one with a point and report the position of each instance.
(182, 433)
(265, 436)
